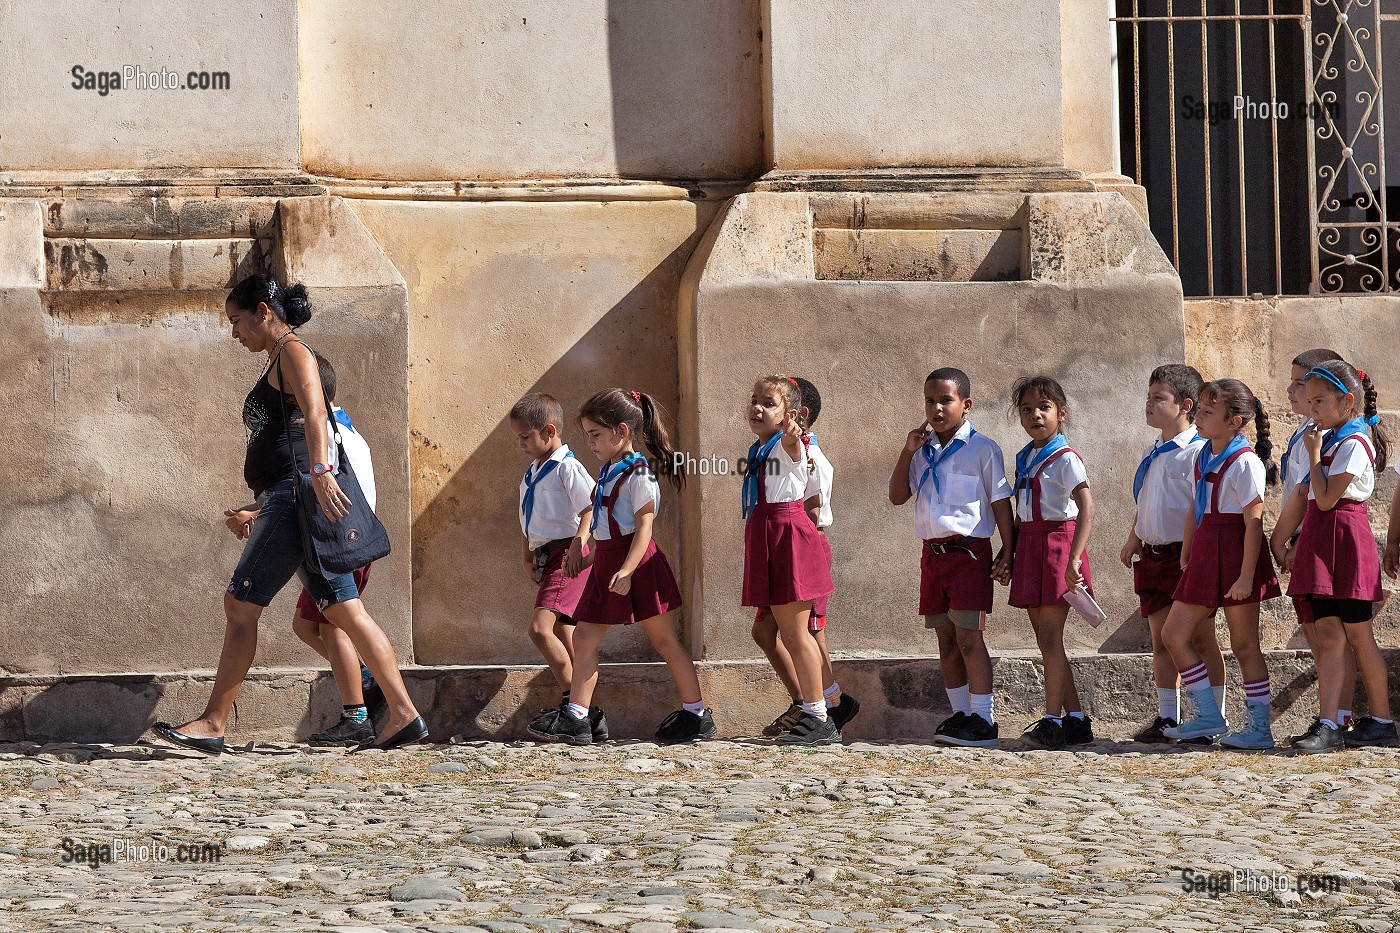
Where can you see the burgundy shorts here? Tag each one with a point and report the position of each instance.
(956, 579)
(306, 606)
(1155, 577)
(557, 591)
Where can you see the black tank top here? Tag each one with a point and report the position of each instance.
(268, 460)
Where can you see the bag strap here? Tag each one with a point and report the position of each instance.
(341, 461)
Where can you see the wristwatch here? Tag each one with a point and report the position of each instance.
(321, 469)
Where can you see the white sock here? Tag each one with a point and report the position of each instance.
(1384, 722)
(960, 698)
(1077, 714)
(1343, 715)
(696, 708)
(1169, 703)
(576, 711)
(832, 694)
(1329, 723)
(982, 706)
(817, 709)
(1220, 697)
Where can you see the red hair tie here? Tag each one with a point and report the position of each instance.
(636, 397)
(794, 383)
(1361, 373)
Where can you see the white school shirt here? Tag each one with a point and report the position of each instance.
(559, 497)
(1352, 455)
(1168, 491)
(972, 478)
(356, 451)
(819, 484)
(1294, 468)
(640, 488)
(788, 482)
(1058, 480)
(1240, 485)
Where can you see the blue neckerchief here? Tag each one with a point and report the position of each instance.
(607, 474)
(1207, 464)
(527, 507)
(1030, 459)
(1334, 437)
(1141, 476)
(811, 438)
(342, 418)
(931, 470)
(753, 475)
(1288, 451)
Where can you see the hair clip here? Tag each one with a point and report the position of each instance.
(794, 383)
(1373, 419)
(636, 396)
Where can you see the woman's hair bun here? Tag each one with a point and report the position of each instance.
(296, 305)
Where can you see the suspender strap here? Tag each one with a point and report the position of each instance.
(1032, 482)
(611, 498)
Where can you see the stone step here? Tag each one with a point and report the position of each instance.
(160, 218)
(101, 264)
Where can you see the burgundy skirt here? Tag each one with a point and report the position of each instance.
(1336, 555)
(558, 592)
(784, 558)
(653, 593)
(1217, 551)
(1042, 556)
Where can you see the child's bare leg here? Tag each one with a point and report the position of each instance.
(373, 645)
(793, 620)
(828, 675)
(1349, 669)
(950, 658)
(587, 637)
(1329, 646)
(662, 632)
(1164, 673)
(550, 647)
(1048, 622)
(345, 665)
(1361, 636)
(765, 635)
(1207, 645)
(1244, 641)
(973, 648)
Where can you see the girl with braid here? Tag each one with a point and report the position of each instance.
(1225, 562)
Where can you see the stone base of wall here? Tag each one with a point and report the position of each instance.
(901, 698)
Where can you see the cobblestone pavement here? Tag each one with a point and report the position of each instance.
(727, 835)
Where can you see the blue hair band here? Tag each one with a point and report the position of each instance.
(1373, 419)
(1329, 376)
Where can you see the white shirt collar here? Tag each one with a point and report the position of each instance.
(1183, 440)
(962, 433)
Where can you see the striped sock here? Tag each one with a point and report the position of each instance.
(1195, 678)
(1257, 691)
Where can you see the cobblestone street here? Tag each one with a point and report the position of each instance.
(727, 835)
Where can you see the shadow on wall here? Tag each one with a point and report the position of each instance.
(687, 96)
(472, 599)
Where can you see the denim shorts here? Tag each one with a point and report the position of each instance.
(273, 553)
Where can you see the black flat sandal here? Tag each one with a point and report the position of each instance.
(214, 746)
(415, 731)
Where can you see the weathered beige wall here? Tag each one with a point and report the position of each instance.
(1088, 76)
(47, 125)
(1098, 308)
(1255, 340)
(125, 444)
(500, 89)
(506, 299)
(865, 83)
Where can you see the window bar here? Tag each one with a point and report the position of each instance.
(1315, 282)
(1137, 92)
(1380, 139)
(1171, 124)
(1273, 134)
(1205, 148)
(1239, 136)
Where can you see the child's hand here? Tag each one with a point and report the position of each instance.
(1073, 577)
(1312, 439)
(916, 439)
(576, 561)
(791, 429)
(1286, 562)
(240, 521)
(1392, 560)
(621, 583)
(1243, 587)
(1001, 569)
(1130, 550)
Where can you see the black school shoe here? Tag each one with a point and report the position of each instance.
(1366, 731)
(1078, 731)
(1320, 738)
(972, 731)
(598, 724)
(809, 730)
(539, 726)
(784, 722)
(947, 724)
(565, 727)
(1153, 735)
(684, 726)
(1047, 734)
(842, 712)
(349, 731)
(1306, 732)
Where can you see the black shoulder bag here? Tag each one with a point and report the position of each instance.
(333, 547)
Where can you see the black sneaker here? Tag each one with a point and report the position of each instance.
(1153, 734)
(685, 726)
(810, 730)
(565, 728)
(971, 731)
(541, 723)
(842, 712)
(598, 724)
(1046, 733)
(949, 723)
(348, 731)
(784, 722)
(1366, 731)
(1320, 738)
(1078, 731)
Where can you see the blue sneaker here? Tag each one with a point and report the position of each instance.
(1255, 733)
(1207, 723)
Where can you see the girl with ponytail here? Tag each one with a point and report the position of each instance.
(1225, 562)
(631, 581)
(1335, 566)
